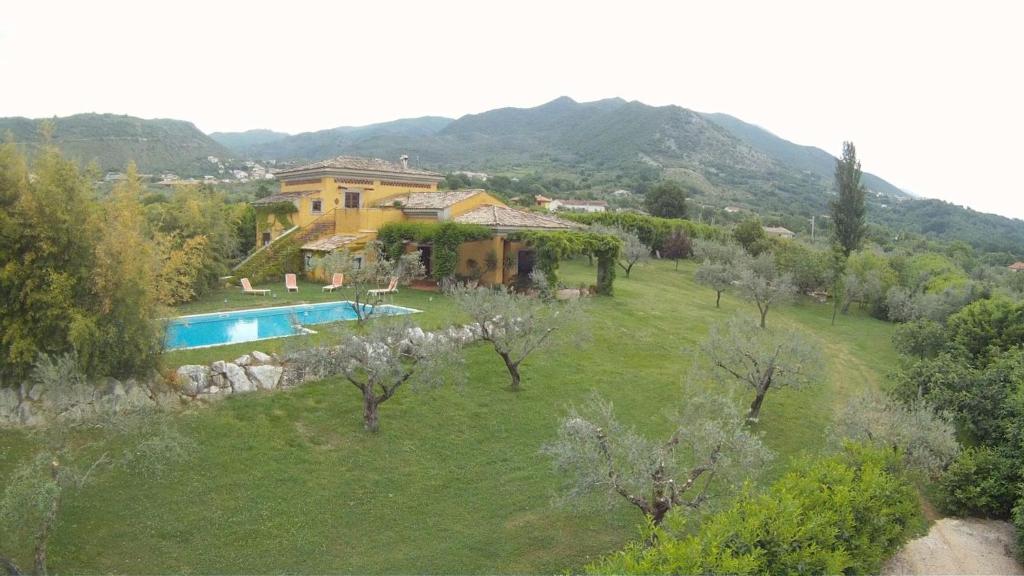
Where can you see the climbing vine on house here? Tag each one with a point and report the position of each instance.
(445, 238)
(281, 211)
(553, 247)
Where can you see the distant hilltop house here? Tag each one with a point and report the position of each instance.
(477, 175)
(779, 231)
(731, 209)
(1016, 266)
(578, 205)
(621, 193)
(341, 203)
(541, 201)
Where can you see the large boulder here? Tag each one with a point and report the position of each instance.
(193, 379)
(261, 358)
(243, 360)
(265, 377)
(8, 405)
(26, 416)
(568, 294)
(35, 392)
(237, 378)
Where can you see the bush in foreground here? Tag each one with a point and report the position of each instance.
(846, 513)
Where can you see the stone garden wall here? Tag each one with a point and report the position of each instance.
(35, 405)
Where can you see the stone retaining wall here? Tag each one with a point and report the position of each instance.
(35, 405)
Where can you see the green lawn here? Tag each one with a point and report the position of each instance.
(453, 483)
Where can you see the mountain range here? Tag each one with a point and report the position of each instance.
(599, 146)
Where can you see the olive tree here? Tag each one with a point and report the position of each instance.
(383, 359)
(761, 282)
(926, 439)
(720, 265)
(515, 325)
(762, 359)
(84, 440)
(374, 271)
(633, 250)
(708, 449)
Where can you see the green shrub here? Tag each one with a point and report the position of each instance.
(980, 482)
(1017, 517)
(842, 514)
(919, 338)
(987, 325)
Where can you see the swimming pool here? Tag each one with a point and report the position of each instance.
(216, 329)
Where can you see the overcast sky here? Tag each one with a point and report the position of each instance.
(930, 93)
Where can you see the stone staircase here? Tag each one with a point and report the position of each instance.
(282, 255)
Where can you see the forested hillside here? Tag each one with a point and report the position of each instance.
(112, 141)
(588, 148)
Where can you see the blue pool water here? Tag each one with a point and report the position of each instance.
(262, 323)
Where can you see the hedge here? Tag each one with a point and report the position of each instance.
(651, 230)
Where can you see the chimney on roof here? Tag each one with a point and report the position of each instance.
(405, 161)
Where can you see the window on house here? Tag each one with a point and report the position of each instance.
(266, 238)
(351, 199)
(358, 262)
(318, 206)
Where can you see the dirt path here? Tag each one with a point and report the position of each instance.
(959, 546)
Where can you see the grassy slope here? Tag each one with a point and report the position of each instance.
(453, 483)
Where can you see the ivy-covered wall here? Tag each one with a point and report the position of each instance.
(445, 238)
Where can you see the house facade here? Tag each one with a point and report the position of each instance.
(341, 203)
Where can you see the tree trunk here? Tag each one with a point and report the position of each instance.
(718, 298)
(660, 510)
(513, 370)
(755, 406)
(371, 414)
(43, 536)
(9, 567)
(764, 312)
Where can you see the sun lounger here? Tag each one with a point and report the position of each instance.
(248, 289)
(336, 282)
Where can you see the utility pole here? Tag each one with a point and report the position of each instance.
(812, 229)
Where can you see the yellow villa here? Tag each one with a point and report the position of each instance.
(342, 202)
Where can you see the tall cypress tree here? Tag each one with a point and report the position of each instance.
(848, 207)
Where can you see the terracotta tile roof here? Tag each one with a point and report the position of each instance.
(510, 218)
(329, 243)
(275, 198)
(360, 164)
(778, 231)
(430, 200)
(1016, 266)
(583, 202)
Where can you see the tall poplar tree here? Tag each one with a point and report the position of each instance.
(847, 216)
(848, 207)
